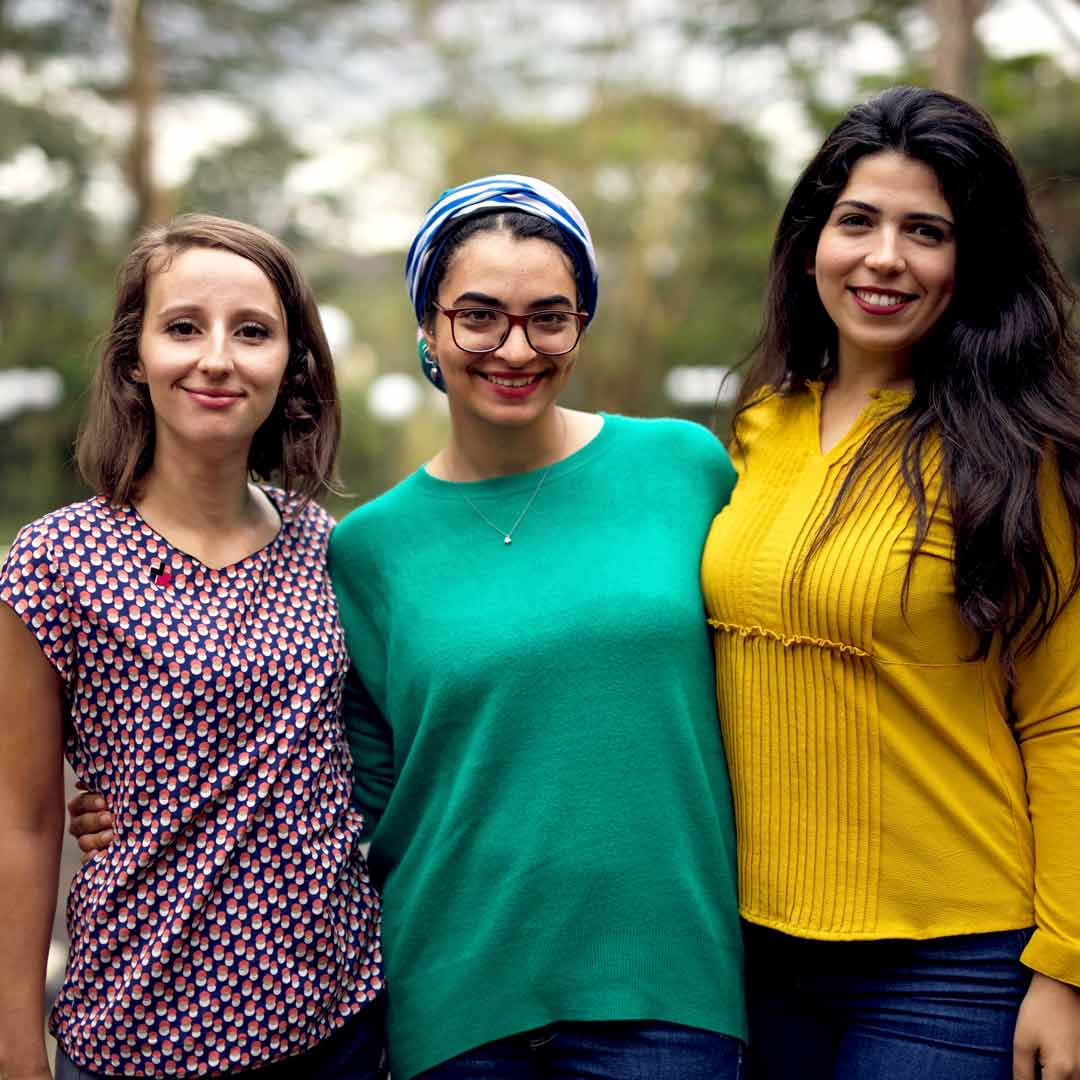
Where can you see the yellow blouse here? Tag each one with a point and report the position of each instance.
(880, 789)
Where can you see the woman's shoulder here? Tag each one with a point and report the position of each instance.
(65, 525)
(299, 512)
(368, 524)
(683, 458)
(48, 553)
(770, 408)
(672, 435)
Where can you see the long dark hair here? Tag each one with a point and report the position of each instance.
(997, 380)
(297, 444)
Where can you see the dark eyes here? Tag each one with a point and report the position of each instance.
(186, 328)
(928, 232)
(182, 328)
(479, 316)
(924, 231)
(853, 220)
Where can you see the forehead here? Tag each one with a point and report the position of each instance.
(888, 179)
(497, 263)
(200, 274)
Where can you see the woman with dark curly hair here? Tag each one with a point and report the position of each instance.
(893, 594)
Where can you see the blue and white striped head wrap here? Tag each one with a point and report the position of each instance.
(505, 191)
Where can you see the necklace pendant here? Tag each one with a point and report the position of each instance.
(506, 540)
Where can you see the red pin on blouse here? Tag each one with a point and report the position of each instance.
(162, 574)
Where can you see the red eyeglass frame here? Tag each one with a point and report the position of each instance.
(514, 320)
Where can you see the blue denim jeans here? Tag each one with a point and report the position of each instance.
(357, 1051)
(593, 1050)
(871, 1010)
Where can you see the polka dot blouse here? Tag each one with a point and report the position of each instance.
(231, 922)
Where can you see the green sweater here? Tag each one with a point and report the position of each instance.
(536, 745)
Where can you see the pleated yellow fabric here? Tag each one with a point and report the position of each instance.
(880, 788)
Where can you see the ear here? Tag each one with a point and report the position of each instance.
(137, 372)
(428, 338)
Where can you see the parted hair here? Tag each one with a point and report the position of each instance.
(297, 444)
(997, 380)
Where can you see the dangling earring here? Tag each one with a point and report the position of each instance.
(429, 363)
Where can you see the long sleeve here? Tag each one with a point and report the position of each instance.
(369, 735)
(885, 785)
(371, 744)
(1047, 708)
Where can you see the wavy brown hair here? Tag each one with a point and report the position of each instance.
(997, 380)
(296, 445)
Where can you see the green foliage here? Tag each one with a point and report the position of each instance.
(681, 200)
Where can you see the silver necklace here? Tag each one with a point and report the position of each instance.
(508, 535)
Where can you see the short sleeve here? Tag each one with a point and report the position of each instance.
(31, 585)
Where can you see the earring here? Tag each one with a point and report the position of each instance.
(429, 363)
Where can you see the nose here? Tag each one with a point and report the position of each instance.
(884, 255)
(216, 361)
(516, 348)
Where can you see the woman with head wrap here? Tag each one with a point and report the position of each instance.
(531, 707)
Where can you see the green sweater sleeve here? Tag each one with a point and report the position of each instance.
(371, 744)
(370, 737)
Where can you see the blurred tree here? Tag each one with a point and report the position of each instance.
(681, 198)
(957, 55)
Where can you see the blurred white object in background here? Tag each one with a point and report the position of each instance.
(703, 384)
(29, 388)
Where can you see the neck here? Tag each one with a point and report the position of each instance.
(482, 451)
(859, 376)
(200, 493)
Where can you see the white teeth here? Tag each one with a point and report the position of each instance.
(510, 382)
(876, 299)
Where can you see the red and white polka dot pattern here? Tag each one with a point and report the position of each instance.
(231, 922)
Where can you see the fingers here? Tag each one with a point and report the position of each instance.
(95, 841)
(84, 802)
(88, 814)
(1024, 1058)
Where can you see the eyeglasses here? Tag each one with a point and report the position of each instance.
(482, 330)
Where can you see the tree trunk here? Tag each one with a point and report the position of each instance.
(151, 204)
(956, 63)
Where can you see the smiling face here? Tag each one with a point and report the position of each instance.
(512, 385)
(212, 351)
(885, 263)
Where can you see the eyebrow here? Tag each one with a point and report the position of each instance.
(917, 215)
(492, 301)
(253, 313)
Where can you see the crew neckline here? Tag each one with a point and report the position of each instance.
(506, 485)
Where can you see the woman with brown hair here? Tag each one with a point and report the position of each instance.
(176, 637)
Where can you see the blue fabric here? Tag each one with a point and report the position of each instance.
(883, 1010)
(633, 1050)
(357, 1051)
(504, 191)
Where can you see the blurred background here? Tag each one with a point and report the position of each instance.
(676, 125)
